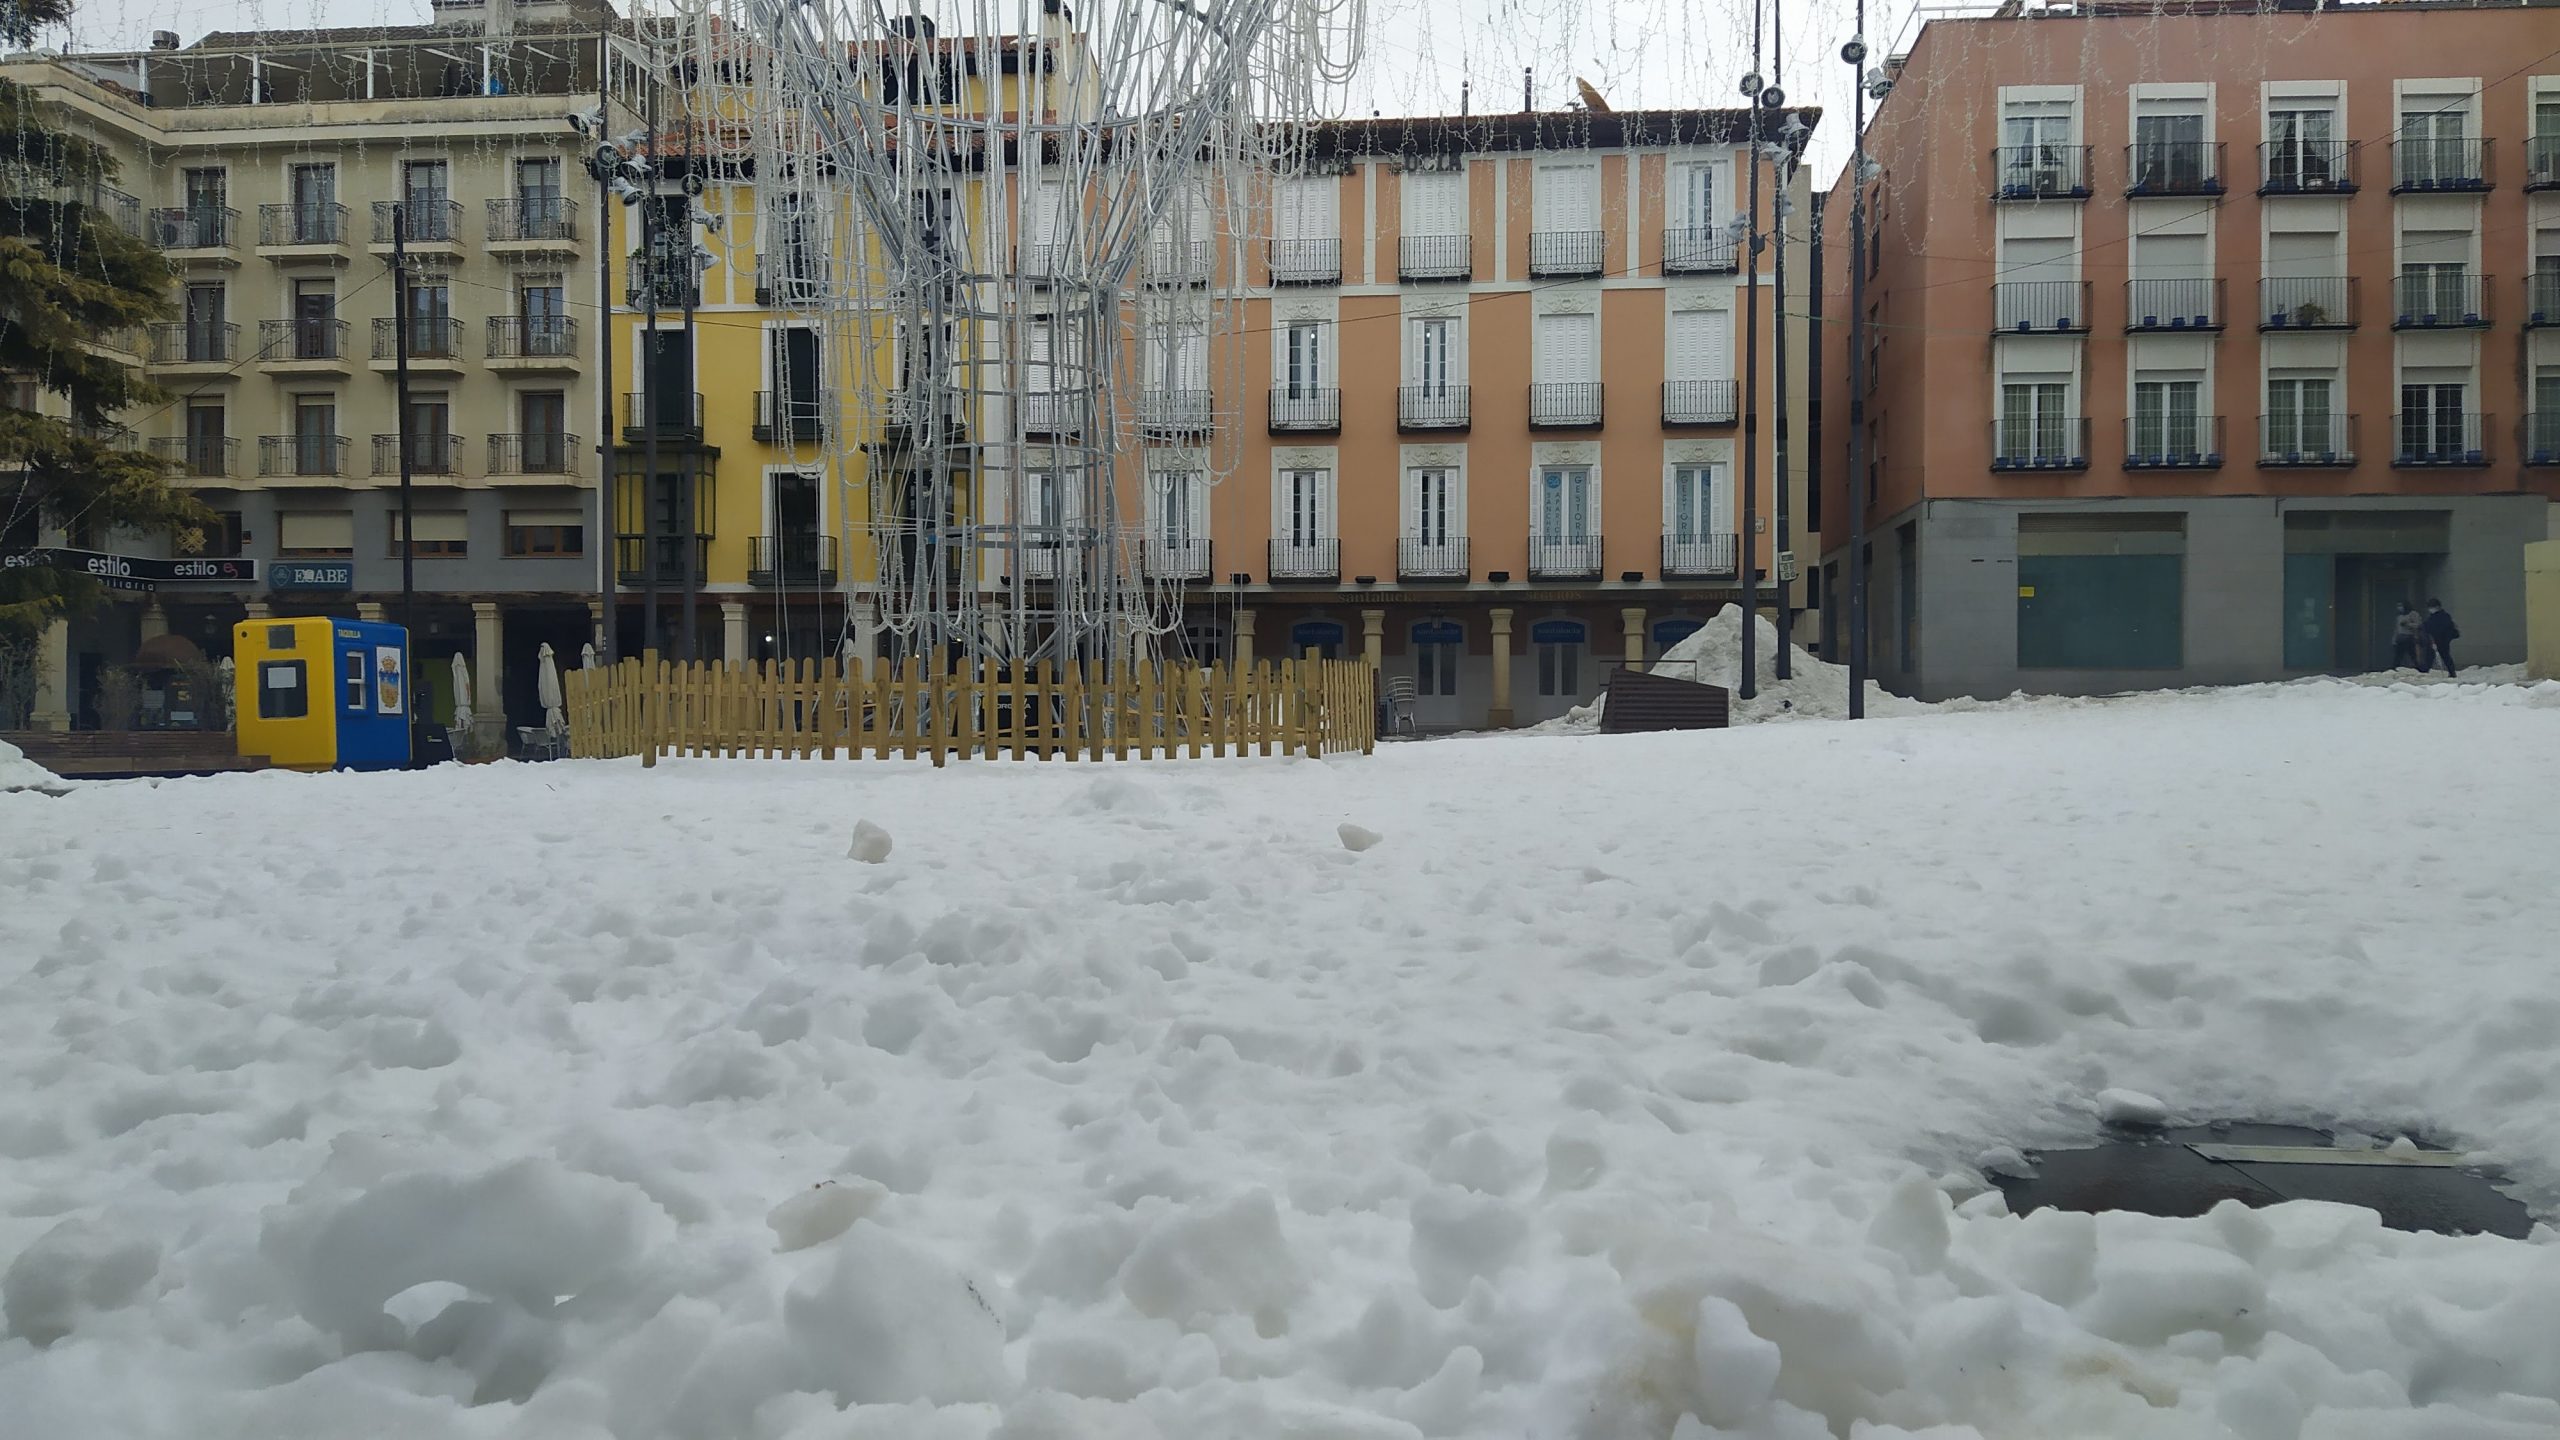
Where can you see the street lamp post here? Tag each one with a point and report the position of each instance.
(1855, 55)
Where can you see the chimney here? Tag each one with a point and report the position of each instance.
(1528, 90)
(164, 39)
(1463, 87)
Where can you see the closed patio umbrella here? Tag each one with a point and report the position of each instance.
(546, 689)
(461, 727)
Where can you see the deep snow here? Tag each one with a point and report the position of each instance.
(17, 772)
(1624, 1089)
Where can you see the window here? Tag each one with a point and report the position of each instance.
(207, 190)
(2299, 418)
(205, 324)
(315, 319)
(1302, 360)
(544, 418)
(794, 376)
(357, 667)
(1559, 644)
(430, 447)
(542, 306)
(315, 533)
(224, 538)
(1436, 644)
(2101, 591)
(1699, 508)
(538, 207)
(1307, 210)
(1304, 521)
(315, 204)
(282, 693)
(1434, 520)
(1564, 509)
(1567, 348)
(430, 319)
(2168, 151)
(1693, 197)
(2433, 423)
(315, 436)
(2165, 419)
(2301, 151)
(206, 452)
(1435, 203)
(2432, 144)
(2036, 157)
(2034, 425)
(2542, 438)
(422, 185)
(440, 535)
(1434, 355)
(1175, 499)
(537, 534)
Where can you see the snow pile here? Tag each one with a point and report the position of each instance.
(1712, 655)
(581, 1101)
(17, 772)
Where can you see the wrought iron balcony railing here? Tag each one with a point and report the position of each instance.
(1422, 557)
(1701, 402)
(1432, 407)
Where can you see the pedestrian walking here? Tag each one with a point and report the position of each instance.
(2408, 634)
(2441, 632)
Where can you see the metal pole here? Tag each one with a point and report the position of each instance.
(1750, 545)
(1856, 478)
(692, 531)
(607, 482)
(1785, 172)
(648, 416)
(400, 381)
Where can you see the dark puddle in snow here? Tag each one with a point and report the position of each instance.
(2187, 1171)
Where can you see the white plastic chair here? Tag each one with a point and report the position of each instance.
(1400, 704)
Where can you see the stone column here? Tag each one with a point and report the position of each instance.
(595, 634)
(1632, 618)
(1244, 640)
(155, 620)
(255, 610)
(866, 631)
(488, 682)
(1499, 718)
(1373, 638)
(733, 633)
(53, 677)
(370, 610)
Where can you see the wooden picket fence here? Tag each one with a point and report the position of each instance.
(820, 709)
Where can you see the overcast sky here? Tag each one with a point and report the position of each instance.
(1638, 53)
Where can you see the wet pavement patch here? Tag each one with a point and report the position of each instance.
(2187, 1171)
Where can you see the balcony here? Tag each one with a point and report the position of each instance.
(802, 559)
(1445, 558)
(435, 343)
(1306, 410)
(1176, 413)
(119, 209)
(2307, 302)
(310, 456)
(1567, 405)
(197, 232)
(2040, 172)
(668, 414)
(2540, 440)
(303, 232)
(1435, 257)
(1564, 558)
(1053, 412)
(1306, 262)
(434, 223)
(2156, 306)
(532, 342)
(1181, 558)
(1567, 254)
(428, 455)
(533, 453)
(189, 344)
(2042, 443)
(1701, 402)
(1699, 250)
(792, 419)
(2438, 440)
(675, 283)
(2173, 167)
(1431, 407)
(2306, 167)
(909, 417)
(2173, 442)
(2312, 441)
(1695, 557)
(2542, 162)
(2444, 299)
(2432, 166)
(1178, 262)
(2542, 299)
(528, 224)
(1306, 559)
(639, 559)
(201, 457)
(303, 347)
(2041, 307)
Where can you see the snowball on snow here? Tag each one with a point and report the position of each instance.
(870, 843)
(1356, 838)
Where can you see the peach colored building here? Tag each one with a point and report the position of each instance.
(2201, 339)
(1490, 410)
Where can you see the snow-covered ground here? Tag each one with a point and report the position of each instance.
(17, 772)
(1625, 1088)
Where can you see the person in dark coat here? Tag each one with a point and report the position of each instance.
(2406, 634)
(2441, 632)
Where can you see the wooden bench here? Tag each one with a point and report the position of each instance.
(121, 754)
(1641, 701)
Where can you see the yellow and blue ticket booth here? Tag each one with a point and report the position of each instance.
(321, 694)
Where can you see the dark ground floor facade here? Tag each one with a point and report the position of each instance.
(1986, 598)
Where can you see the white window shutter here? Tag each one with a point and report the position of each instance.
(1670, 499)
(1688, 358)
(1720, 520)
(1716, 334)
(1412, 502)
(1280, 483)
(1325, 525)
